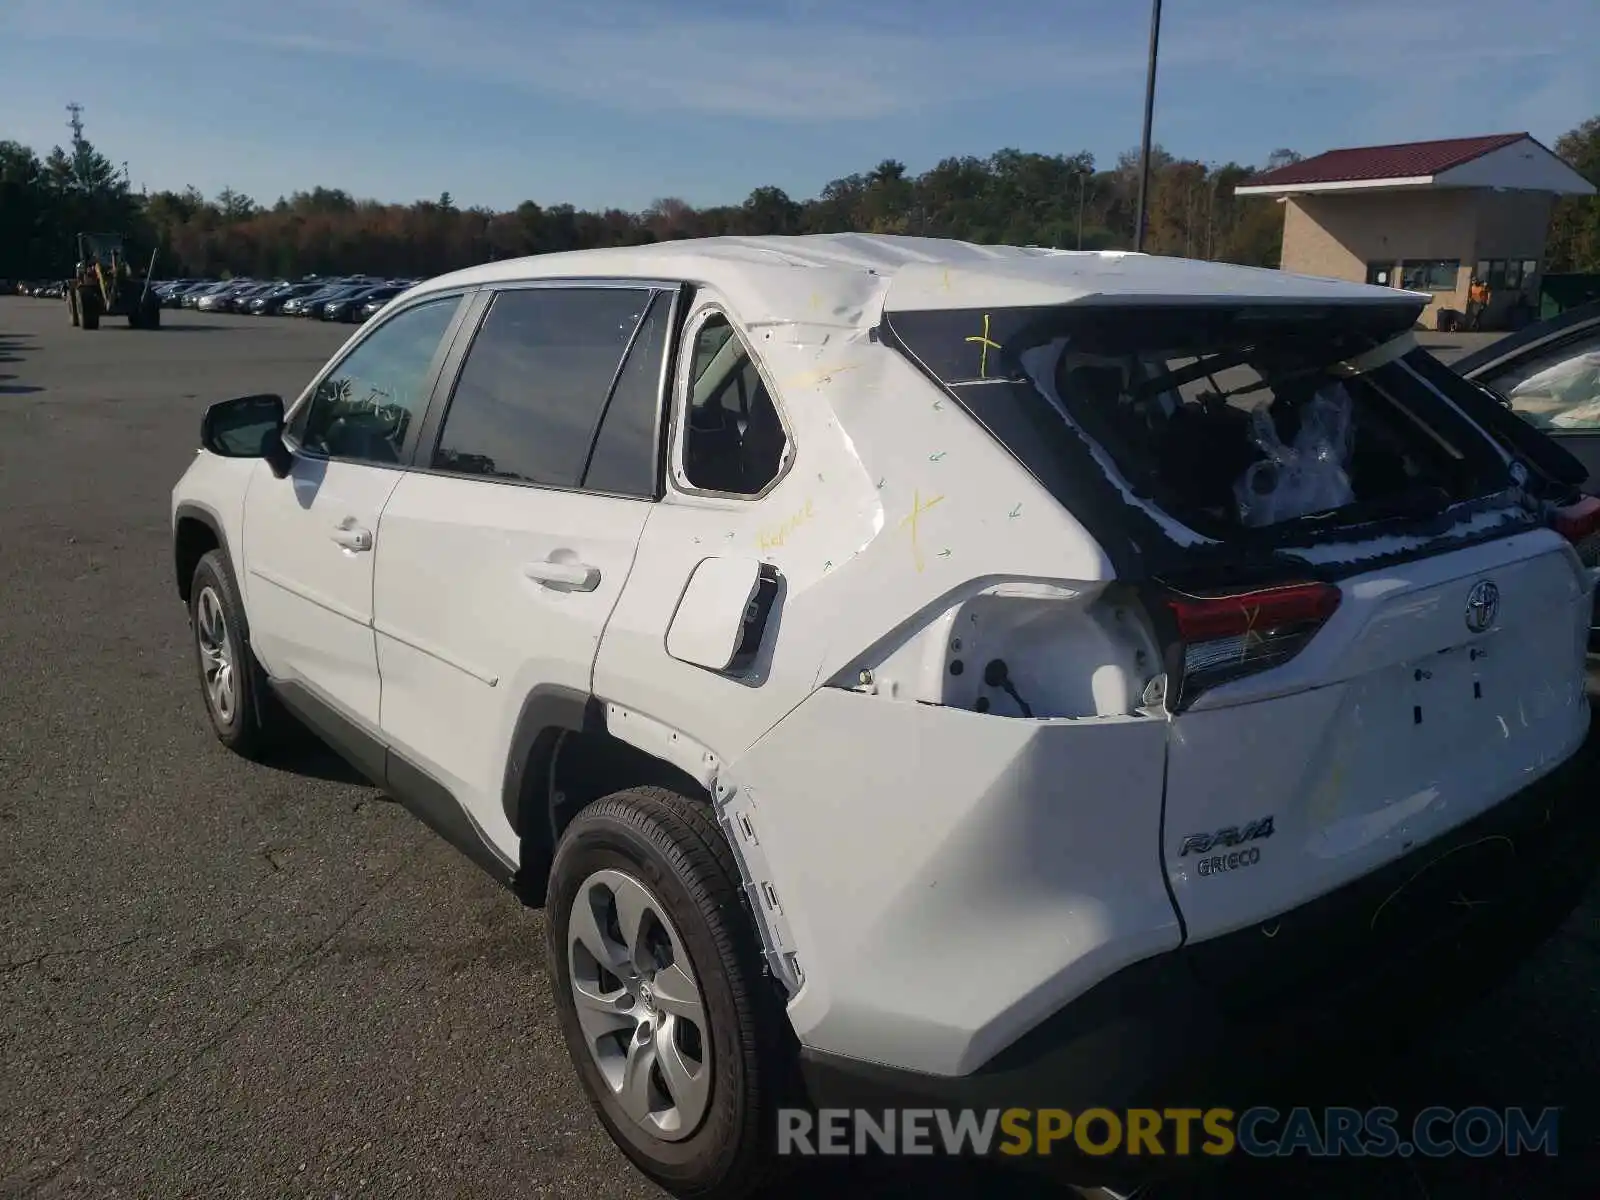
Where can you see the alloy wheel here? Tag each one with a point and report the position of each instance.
(217, 656)
(639, 1005)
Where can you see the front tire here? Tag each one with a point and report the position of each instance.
(676, 1031)
(241, 710)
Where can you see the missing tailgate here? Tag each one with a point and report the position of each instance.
(1231, 426)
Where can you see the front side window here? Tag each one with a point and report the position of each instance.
(734, 440)
(366, 405)
(1430, 275)
(531, 392)
(1558, 388)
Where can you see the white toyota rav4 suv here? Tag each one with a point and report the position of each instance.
(912, 672)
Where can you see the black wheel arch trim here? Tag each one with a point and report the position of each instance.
(548, 712)
(195, 510)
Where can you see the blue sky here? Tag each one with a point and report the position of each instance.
(617, 102)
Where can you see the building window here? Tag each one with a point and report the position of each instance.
(1507, 274)
(1430, 274)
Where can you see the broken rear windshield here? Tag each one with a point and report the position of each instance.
(1237, 426)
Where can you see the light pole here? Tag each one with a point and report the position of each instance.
(1149, 117)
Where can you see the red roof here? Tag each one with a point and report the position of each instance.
(1408, 160)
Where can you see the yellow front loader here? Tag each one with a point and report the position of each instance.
(102, 285)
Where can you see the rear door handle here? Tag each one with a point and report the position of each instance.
(352, 537)
(577, 577)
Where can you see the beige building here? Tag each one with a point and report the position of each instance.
(1426, 216)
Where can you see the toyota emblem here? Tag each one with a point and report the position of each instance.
(1483, 606)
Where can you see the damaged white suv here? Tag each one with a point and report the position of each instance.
(919, 673)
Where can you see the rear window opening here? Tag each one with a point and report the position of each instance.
(1245, 428)
(1231, 436)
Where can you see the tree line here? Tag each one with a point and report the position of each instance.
(1011, 196)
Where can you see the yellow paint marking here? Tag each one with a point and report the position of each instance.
(910, 521)
(987, 343)
(774, 536)
(813, 378)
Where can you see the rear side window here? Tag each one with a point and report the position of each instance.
(535, 382)
(734, 441)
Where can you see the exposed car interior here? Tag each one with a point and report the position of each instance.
(1247, 436)
(734, 441)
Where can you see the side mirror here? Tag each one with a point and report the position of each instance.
(248, 427)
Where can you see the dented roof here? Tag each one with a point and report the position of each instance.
(849, 279)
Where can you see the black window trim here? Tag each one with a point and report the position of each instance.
(697, 314)
(432, 426)
(463, 298)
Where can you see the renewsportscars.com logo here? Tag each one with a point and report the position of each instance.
(1215, 1132)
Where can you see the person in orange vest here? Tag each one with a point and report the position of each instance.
(1477, 301)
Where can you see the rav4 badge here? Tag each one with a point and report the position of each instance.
(1233, 835)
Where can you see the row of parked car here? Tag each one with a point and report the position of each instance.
(349, 298)
(43, 289)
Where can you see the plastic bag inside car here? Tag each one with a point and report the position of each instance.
(1306, 475)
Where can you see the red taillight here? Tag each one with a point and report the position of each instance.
(1227, 637)
(1577, 521)
(1201, 618)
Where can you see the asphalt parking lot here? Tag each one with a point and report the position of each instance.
(226, 980)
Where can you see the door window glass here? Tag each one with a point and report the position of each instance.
(535, 381)
(366, 405)
(1558, 388)
(625, 454)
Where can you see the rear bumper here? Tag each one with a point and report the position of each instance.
(1212, 1023)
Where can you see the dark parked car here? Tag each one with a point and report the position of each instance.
(179, 296)
(192, 298)
(271, 302)
(321, 310)
(1548, 374)
(350, 308)
(305, 306)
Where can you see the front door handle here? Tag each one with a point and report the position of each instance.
(572, 576)
(352, 537)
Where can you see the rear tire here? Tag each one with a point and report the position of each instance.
(244, 715)
(89, 310)
(72, 307)
(692, 992)
(152, 313)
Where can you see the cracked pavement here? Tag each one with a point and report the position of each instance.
(218, 979)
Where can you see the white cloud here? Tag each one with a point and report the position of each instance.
(1403, 63)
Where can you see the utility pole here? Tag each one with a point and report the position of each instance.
(1149, 118)
(1083, 183)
